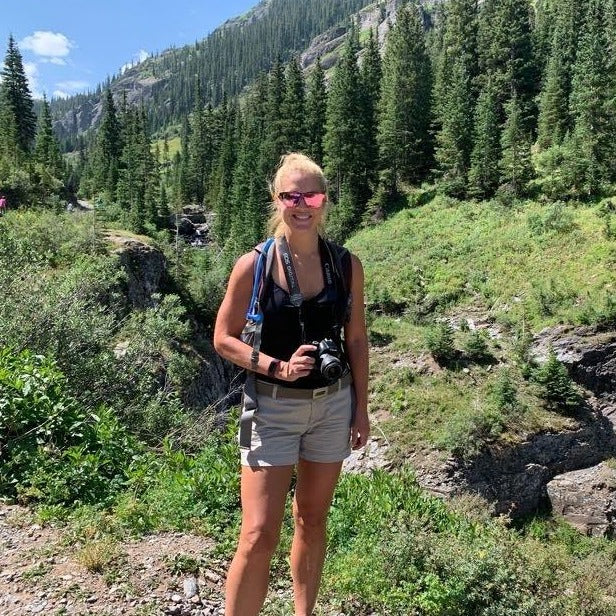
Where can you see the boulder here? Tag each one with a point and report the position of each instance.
(586, 499)
(144, 266)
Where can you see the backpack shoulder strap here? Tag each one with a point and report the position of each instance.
(341, 259)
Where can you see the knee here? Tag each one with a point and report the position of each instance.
(310, 521)
(258, 541)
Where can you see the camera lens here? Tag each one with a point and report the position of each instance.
(331, 368)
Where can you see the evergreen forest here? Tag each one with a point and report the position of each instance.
(470, 153)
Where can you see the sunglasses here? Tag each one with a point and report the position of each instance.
(311, 199)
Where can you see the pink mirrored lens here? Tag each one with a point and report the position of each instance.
(311, 199)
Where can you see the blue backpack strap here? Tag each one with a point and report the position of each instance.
(252, 335)
(260, 274)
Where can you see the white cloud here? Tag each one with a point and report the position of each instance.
(139, 57)
(72, 85)
(58, 61)
(60, 94)
(31, 70)
(47, 44)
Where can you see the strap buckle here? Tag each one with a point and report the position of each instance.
(320, 392)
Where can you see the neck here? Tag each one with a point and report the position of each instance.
(302, 244)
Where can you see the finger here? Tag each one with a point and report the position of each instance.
(304, 349)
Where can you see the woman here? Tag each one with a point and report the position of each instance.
(303, 421)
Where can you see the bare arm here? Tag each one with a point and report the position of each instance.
(356, 344)
(231, 319)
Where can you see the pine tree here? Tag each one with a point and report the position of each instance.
(506, 54)
(589, 98)
(454, 95)
(316, 104)
(483, 177)
(15, 95)
(459, 45)
(610, 37)
(10, 150)
(273, 146)
(186, 180)
(293, 110)
(543, 31)
(249, 194)
(554, 117)
(222, 182)
(200, 152)
(404, 109)
(371, 74)
(345, 137)
(47, 150)
(107, 149)
(454, 141)
(516, 169)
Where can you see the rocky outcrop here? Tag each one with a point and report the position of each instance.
(194, 224)
(514, 479)
(588, 352)
(587, 499)
(144, 266)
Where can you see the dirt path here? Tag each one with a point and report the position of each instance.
(41, 572)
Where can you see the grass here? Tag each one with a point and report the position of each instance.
(519, 269)
(96, 556)
(448, 253)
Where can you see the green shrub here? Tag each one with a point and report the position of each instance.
(439, 340)
(53, 451)
(557, 218)
(476, 346)
(558, 389)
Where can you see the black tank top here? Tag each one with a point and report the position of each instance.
(282, 333)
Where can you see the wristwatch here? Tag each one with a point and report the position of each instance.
(271, 371)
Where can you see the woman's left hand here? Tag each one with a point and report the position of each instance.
(360, 430)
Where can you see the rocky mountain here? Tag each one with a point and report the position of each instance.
(226, 61)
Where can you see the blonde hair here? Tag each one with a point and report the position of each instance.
(294, 161)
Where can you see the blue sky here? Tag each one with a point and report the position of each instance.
(70, 46)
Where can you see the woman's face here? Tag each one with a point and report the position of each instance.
(300, 217)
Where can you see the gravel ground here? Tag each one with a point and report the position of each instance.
(42, 573)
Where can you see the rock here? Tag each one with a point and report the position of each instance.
(212, 576)
(586, 499)
(191, 588)
(176, 598)
(588, 352)
(144, 266)
(185, 227)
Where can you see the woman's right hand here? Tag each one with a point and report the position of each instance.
(300, 363)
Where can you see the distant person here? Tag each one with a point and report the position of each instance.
(2, 205)
(309, 382)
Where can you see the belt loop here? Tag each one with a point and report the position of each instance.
(275, 391)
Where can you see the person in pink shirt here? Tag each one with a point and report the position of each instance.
(2, 205)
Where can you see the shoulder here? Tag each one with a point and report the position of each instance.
(244, 266)
(356, 267)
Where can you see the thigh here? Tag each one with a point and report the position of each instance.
(328, 437)
(316, 482)
(264, 491)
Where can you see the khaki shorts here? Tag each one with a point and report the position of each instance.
(285, 430)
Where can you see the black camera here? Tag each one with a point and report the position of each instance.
(328, 359)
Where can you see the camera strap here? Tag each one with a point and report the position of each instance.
(295, 295)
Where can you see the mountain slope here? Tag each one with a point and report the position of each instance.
(221, 64)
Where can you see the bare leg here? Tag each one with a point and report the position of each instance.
(264, 492)
(316, 482)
